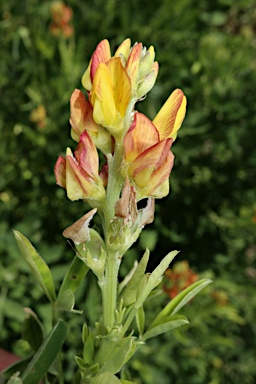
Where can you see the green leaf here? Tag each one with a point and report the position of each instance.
(32, 329)
(166, 325)
(46, 354)
(18, 366)
(15, 379)
(146, 285)
(75, 275)
(140, 320)
(37, 265)
(130, 291)
(106, 378)
(117, 356)
(66, 302)
(155, 278)
(88, 350)
(127, 382)
(180, 300)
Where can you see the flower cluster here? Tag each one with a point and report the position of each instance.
(106, 119)
(61, 16)
(178, 278)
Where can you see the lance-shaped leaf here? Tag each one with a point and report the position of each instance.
(127, 381)
(155, 277)
(46, 354)
(74, 276)
(66, 302)
(147, 284)
(32, 329)
(121, 353)
(167, 324)
(16, 367)
(180, 300)
(130, 291)
(37, 265)
(140, 320)
(106, 378)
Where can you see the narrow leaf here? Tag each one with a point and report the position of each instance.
(180, 300)
(140, 320)
(127, 382)
(155, 277)
(46, 354)
(32, 329)
(168, 324)
(88, 350)
(146, 286)
(66, 301)
(119, 356)
(106, 378)
(74, 276)
(18, 366)
(37, 265)
(130, 291)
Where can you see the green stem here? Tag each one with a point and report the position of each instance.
(115, 184)
(109, 286)
(59, 357)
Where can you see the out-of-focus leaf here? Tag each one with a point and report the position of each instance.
(117, 356)
(66, 302)
(130, 291)
(32, 329)
(45, 355)
(180, 300)
(74, 276)
(37, 265)
(155, 277)
(168, 323)
(140, 320)
(106, 378)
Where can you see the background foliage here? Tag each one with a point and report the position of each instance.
(208, 50)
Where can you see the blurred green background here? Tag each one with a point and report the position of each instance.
(208, 49)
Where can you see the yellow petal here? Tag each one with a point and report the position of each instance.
(102, 98)
(144, 165)
(141, 136)
(60, 171)
(133, 63)
(77, 182)
(101, 55)
(158, 185)
(81, 115)
(87, 156)
(86, 78)
(121, 85)
(170, 117)
(124, 49)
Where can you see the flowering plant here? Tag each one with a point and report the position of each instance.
(137, 165)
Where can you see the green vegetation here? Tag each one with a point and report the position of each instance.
(208, 50)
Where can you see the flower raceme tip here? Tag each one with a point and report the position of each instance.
(106, 119)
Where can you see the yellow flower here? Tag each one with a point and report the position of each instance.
(110, 95)
(171, 115)
(113, 82)
(81, 119)
(147, 159)
(78, 173)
